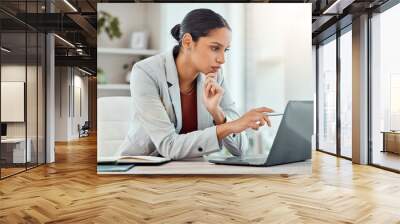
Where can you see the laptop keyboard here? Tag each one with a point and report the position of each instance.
(233, 159)
(254, 160)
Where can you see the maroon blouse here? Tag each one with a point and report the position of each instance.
(189, 112)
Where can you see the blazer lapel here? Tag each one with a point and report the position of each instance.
(173, 89)
(203, 117)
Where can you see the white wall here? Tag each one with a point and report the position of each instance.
(68, 82)
(279, 62)
(61, 103)
(173, 13)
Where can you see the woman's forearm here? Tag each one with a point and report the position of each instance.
(224, 130)
(218, 116)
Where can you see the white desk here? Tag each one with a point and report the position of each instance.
(201, 166)
(19, 149)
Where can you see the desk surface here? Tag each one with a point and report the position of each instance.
(201, 166)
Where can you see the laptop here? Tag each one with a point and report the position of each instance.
(292, 142)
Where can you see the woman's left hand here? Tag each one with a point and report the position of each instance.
(212, 94)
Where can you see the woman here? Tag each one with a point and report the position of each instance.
(181, 106)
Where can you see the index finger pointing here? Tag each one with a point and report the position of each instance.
(264, 109)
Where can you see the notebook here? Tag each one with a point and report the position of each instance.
(114, 168)
(143, 160)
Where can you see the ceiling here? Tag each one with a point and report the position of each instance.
(76, 21)
(325, 13)
(73, 20)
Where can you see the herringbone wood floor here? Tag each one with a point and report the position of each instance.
(70, 191)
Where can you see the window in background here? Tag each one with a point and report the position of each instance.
(14, 149)
(395, 102)
(31, 100)
(327, 96)
(22, 80)
(346, 93)
(385, 87)
(35, 88)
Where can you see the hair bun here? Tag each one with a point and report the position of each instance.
(175, 31)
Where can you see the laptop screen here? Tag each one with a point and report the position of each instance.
(293, 140)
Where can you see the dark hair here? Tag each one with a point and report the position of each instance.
(197, 23)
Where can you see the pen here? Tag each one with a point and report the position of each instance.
(273, 114)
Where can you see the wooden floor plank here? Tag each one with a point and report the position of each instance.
(70, 191)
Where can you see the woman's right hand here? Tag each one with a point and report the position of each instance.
(254, 119)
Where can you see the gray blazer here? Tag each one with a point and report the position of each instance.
(158, 119)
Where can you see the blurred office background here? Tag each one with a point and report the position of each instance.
(270, 58)
(270, 61)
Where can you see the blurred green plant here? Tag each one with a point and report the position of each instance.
(108, 23)
(101, 76)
